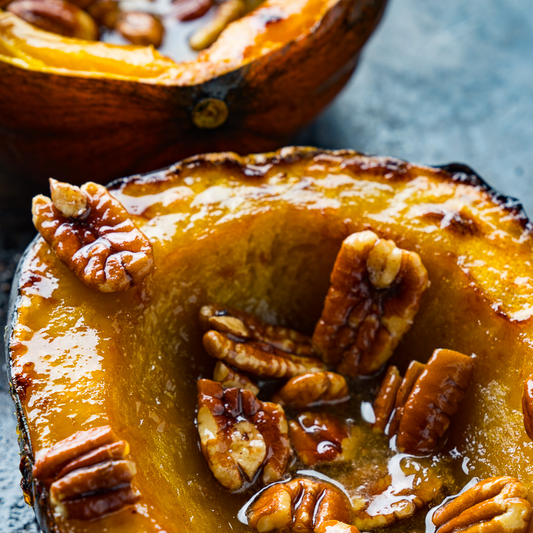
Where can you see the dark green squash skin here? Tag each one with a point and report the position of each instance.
(34, 491)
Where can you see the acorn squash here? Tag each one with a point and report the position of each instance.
(260, 233)
(83, 110)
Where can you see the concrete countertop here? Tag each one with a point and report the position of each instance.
(439, 82)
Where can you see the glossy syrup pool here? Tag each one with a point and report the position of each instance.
(177, 33)
(379, 473)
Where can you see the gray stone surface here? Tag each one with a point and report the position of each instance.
(16, 231)
(439, 82)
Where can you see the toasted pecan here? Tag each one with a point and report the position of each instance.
(434, 399)
(497, 504)
(87, 474)
(314, 388)
(374, 295)
(386, 398)
(301, 505)
(426, 399)
(246, 326)
(322, 437)
(258, 358)
(100, 243)
(228, 378)
(241, 435)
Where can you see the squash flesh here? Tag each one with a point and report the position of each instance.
(243, 41)
(266, 244)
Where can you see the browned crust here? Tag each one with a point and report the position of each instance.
(254, 166)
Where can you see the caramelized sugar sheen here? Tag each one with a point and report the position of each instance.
(261, 234)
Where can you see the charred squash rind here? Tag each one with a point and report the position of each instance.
(464, 174)
(121, 126)
(391, 168)
(226, 171)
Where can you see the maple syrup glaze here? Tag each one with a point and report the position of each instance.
(376, 465)
(269, 26)
(175, 42)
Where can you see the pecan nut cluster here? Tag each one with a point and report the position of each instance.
(84, 19)
(375, 292)
(92, 233)
(88, 475)
(248, 344)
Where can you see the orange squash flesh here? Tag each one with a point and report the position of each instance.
(84, 111)
(261, 233)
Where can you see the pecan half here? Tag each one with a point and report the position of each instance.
(50, 462)
(386, 398)
(226, 13)
(374, 295)
(140, 28)
(527, 406)
(428, 396)
(56, 16)
(300, 505)
(315, 388)
(434, 399)
(241, 435)
(229, 378)
(414, 371)
(88, 474)
(497, 504)
(321, 437)
(245, 326)
(93, 235)
(103, 476)
(391, 498)
(258, 358)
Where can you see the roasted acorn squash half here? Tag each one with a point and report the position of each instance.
(82, 110)
(261, 233)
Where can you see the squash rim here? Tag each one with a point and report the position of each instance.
(455, 172)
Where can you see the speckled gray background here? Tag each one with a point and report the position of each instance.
(439, 82)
